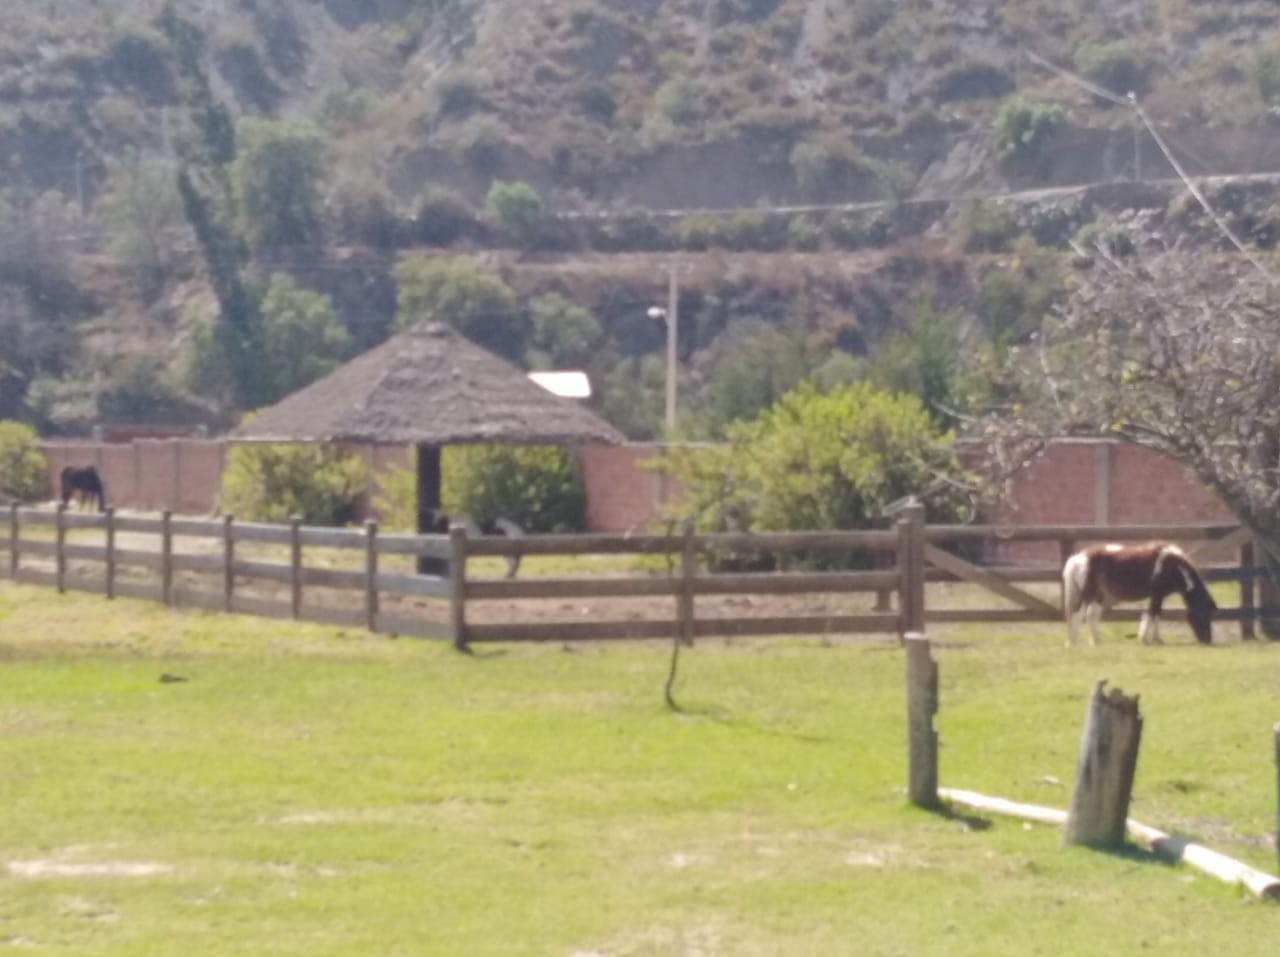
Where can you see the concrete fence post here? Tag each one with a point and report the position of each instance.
(922, 705)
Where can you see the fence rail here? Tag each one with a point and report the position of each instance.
(196, 563)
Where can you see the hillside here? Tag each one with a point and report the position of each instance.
(607, 108)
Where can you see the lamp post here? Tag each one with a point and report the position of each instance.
(671, 316)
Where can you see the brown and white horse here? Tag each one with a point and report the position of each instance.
(1095, 579)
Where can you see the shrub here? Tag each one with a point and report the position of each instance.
(1023, 128)
(985, 227)
(1114, 66)
(468, 296)
(24, 473)
(1111, 238)
(826, 164)
(598, 102)
(538, 487)
(817, 461)
(272, 483)
(517, 207)
(365, 212)
(444, 218)
(1265, 72)
(277, 177)
(459, 94)
(482, 144)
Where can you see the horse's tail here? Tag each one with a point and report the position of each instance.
(1073, 575)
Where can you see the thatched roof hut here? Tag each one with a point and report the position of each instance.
(428, 387)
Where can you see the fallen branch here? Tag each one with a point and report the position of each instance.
(1171, 848)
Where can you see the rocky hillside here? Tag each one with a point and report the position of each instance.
(607, 109)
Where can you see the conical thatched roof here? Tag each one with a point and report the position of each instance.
(428, 385)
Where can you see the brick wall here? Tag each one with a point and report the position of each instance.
(1073, 482)
(622, 496)
(1088, 482)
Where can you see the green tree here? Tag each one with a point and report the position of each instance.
(272, 483)
(303, 338)
(24, 472)
(462, 292)
(633, 392)
(565, 335)
(518, 209)
(539, 486)
(924, 360)
(142, 210)
(1024, 127)
(819, 461)
(277, 176)
(760, 370)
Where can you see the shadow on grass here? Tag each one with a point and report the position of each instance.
(971, 822)
(727, 719)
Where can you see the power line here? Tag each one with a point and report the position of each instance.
(1131, 101)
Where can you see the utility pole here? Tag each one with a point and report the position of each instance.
(1137, 138)
(673, 327)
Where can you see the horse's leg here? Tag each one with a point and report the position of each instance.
(1093, 614)
(1149, 627)
(1073, 626)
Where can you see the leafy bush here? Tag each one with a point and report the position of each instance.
(817, 461)
(365, 212)
(459, 93)
(140, 58)
(444, 218)
(272, 483)
(1265, 72)
(464, 293)
(985, 227)
(538, 487)
(1114, 66)
(517, 207)
(565, 335)
(1111, 238)
(482, 144)
(1023, 127)
(826, 163)
(302, 337)
(24, 473)
(277, 177)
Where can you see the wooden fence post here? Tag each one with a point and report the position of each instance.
(1104, 772)
(14, 538)
(60, 546)
(1247, 632)
(371, 575)
(228, 562)
(911, 569)
(166, 557)
(109, 573)
(458, 585)
(922, 705)
(295, 566)
(684, 603)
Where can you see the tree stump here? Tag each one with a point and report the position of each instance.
(1105, 770)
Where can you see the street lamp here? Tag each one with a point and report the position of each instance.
(671, 317)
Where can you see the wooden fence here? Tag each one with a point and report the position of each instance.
(361, 577)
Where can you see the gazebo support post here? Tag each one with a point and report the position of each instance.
(427, 459)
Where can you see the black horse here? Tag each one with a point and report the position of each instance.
(438, 523)
(85, 484)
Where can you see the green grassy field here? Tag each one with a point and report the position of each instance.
(313, 791)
